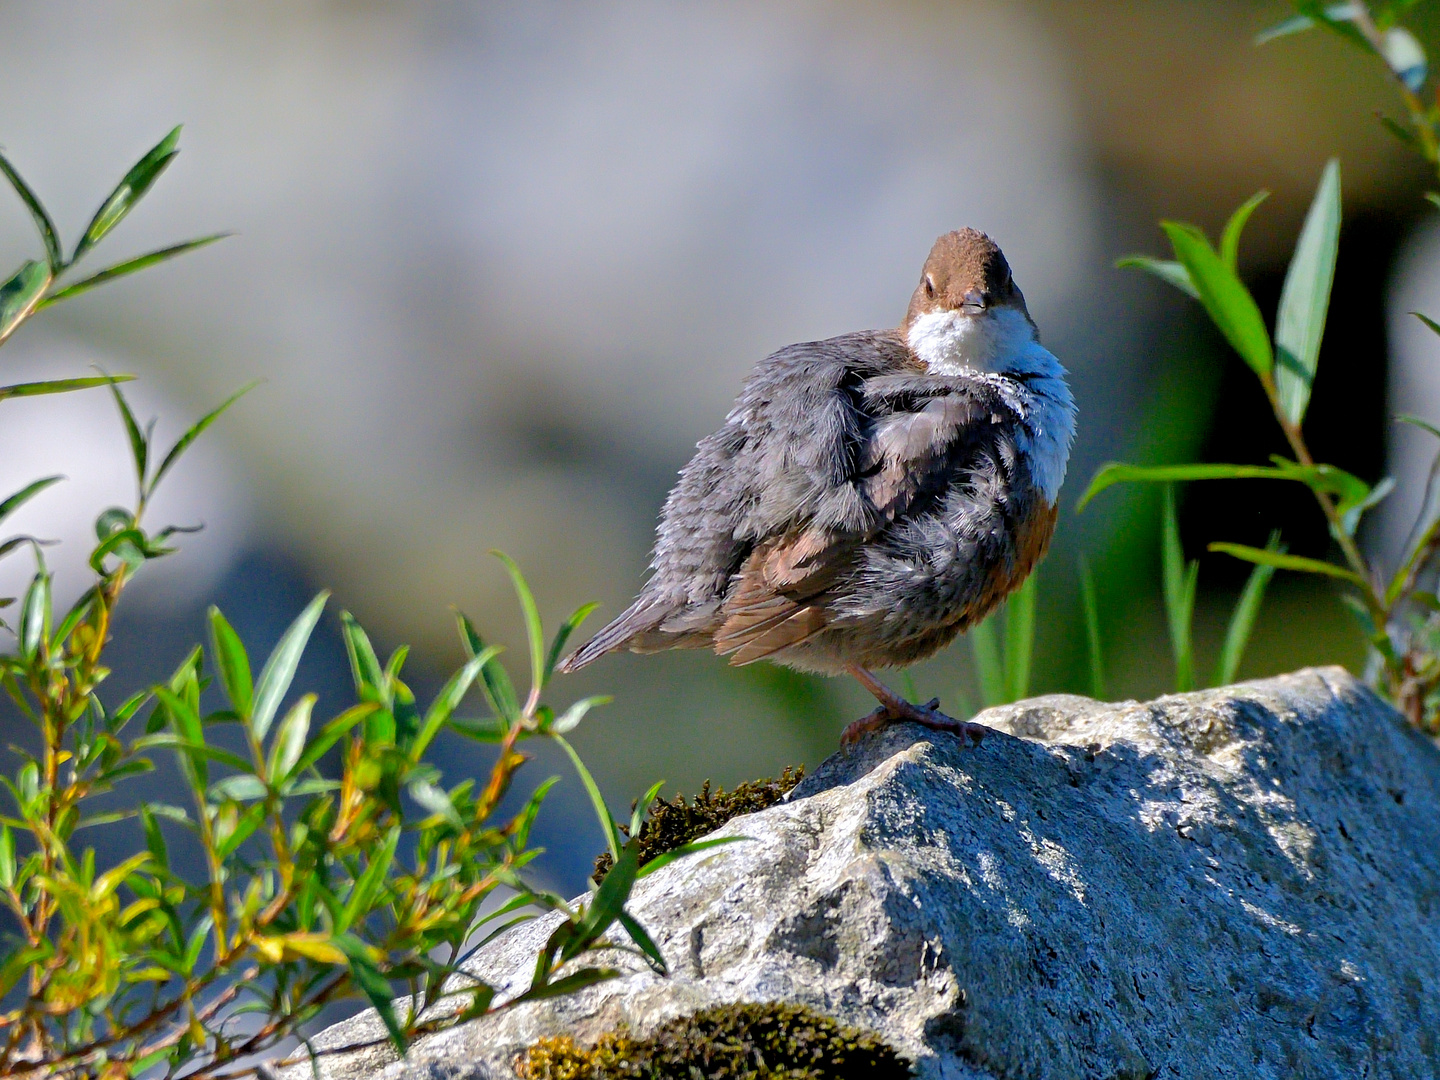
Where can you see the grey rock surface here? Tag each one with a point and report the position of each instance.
(1236, 883)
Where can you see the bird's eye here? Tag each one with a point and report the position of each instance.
(929, 285)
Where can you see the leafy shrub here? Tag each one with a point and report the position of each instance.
(724, 1042)
(671, 826)
(317, 887)
(1396, 607)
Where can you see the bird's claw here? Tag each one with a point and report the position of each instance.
(928, 715)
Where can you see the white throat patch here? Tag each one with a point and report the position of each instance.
(1002, 343)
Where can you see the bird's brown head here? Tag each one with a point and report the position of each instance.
(966, 272)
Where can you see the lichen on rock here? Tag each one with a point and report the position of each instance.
(746, 1041)
(673, 824)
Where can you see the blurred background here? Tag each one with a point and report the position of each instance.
(500, 267)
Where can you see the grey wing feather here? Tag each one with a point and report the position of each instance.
(786, 455)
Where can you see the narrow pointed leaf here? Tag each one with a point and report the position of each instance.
(1229, 304)
(280, 668)
(365, 666)
(35, 614)
(1429, 322)
(989, 669)
(139, 443)
(330, 734)
(29, 491)
(686, 850)
(290, 739)
(1230, 237)
(373, 984)
(20, 295)
(1325, 477)
(562, 638)
(534, 633)
(571, 717)
(129, 266)
(43, 224)
(448, 700)
(1093, 644)
(1019, 639)
(1167, 270)
(602, 812)
(363, 892)
(607, 903)
(232, 662)
(1242, 620)
(196, 430)
(642, 804)
(569, 984)
(1281, 561)
(1305, 299)
(129, 191)
(1179, 586)
(643, 942)
(59, 386)
(495, 681)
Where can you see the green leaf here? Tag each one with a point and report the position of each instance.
(1295, 24)
(1305, 299)
(684, 850)
(227, 843)
(448, 700)
(330, 734)
(495, 681)
(562, 638)
(534, 632)
(1433, 197)
(279, 670)
(1180, 582)
(571, 983)
(35, 613)
(989, 670)
(29, 491)
(435, 800)
(365, 666)
(290, 739)
(59, 386)
(571, 717)
(1094, 648)
(1351, 512)
(231, 661)
(1406, 418)
(72, 618)
(1242, 621)
(154, 839)
(1172, 273)
(643, 942)
(1229, 304)
(196, 430)
(1325, 477)
(642, 804)
(1282, 561)
(367, 976)
(139, 440)
(20, 294)
(607, 903)
(129, 266)
(360, 901)
(7, 857)
(43, 224)
(128, 192)
(1019, 639)
(602, 812)
(1230, 237)
(1431, 323)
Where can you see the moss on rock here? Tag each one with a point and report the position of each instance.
(726, 1042)
(670, 825)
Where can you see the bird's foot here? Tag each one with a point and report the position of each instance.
(897, 710)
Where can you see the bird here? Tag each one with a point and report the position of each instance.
(870, 496)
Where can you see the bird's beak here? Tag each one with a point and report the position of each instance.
(975, 302)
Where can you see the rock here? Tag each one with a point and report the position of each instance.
(1236, 883)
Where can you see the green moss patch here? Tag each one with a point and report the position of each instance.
(670, 825)
(725, 1042)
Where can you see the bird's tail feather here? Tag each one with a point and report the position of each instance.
(643, 615)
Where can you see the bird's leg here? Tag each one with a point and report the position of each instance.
(895, 709)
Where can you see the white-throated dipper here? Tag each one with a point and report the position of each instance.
(871, 495)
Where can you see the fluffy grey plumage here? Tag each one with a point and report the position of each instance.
(870, 496)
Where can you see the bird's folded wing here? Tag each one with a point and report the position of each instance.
(921, 434)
